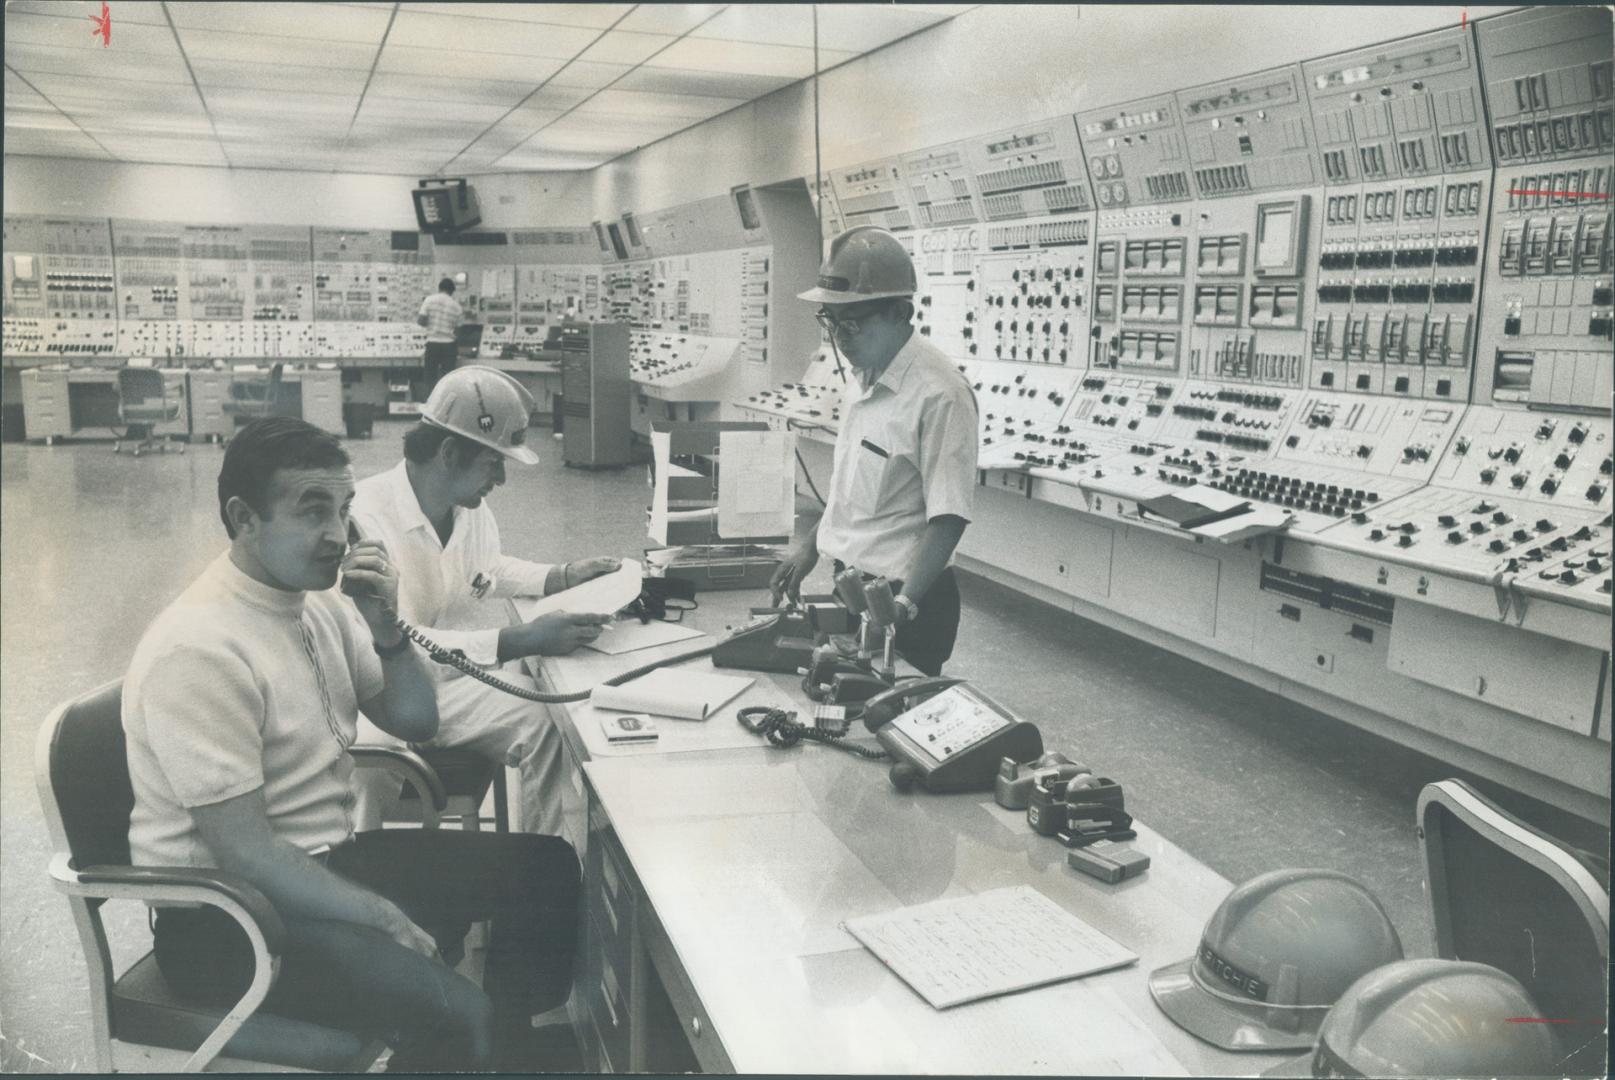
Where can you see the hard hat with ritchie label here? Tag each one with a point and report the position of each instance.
(865, 263)
(485, 405)
(1277, 953)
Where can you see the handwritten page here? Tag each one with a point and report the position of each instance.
(679, 693)
(973, 947)
(756, 483)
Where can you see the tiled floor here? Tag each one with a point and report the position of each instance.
(95, 545)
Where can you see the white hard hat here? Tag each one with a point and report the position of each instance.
(865, 263)
(485, 405)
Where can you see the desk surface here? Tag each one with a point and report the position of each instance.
(752, 858)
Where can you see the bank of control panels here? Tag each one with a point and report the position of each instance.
(1373, 290)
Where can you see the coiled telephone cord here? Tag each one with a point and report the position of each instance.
(781, 729)
(458, 660)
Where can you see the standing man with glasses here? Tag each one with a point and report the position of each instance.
(905, 458)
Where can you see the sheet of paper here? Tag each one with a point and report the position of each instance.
(675, 692)
(972, 947)
(661, 445)
(604, 595)
(630, 635)
(1260, 520)
(756, 484)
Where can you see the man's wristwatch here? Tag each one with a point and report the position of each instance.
(911, 610)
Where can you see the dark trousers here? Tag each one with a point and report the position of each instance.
(926, 641)
(441, 358)
(356, 978)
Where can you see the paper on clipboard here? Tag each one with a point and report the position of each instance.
(756, 484)
(602, 595)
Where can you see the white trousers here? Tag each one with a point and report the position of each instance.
(505, 729)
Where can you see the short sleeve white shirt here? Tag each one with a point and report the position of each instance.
(237, 686)
(906, 453)
(443, 314)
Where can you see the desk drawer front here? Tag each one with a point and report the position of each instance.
(605, 996)
(693, 1019)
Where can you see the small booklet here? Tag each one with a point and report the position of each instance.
(630, 728)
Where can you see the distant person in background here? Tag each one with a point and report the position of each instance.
(440, 314)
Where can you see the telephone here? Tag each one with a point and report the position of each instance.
(945, 735)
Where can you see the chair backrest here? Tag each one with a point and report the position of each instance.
(1505, 893)
(83, 775)
(136, 385)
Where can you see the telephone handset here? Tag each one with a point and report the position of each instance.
(946, 735)
(458, 660)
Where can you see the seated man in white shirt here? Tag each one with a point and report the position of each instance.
(239, 708)
(429, 511)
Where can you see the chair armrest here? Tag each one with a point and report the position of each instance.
(408, 766)
(184, 883)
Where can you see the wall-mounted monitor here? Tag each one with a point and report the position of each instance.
(600, 238)
(616, 240)
(1281, 232)
(746, 204)
(634, 239)
(445, 206)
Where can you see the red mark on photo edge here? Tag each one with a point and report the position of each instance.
(1544, 1020)
(1558, 194)
(103, 25)
(1463, 20)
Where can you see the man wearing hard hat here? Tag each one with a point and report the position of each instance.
(429, 511)
(905, 459)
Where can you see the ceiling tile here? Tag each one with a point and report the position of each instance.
(146, 12)
(113, 94)
(264, 48)
(28, 58)
(178, 151)
(634, 103)
(469, 34)
(236, 73)
(193, 124)
(869, 27)
(708, 83)
(668, 18)
(144, 39)
(52, 144)
(590, 76)
(41, 119)
(599, 16)
(556, 98)
(553, 162)
(768, 24)
(622, 47)
(326, 22)
(467, 116)
(707, 54)
(410, 60)
(431, 88)
(288, 102)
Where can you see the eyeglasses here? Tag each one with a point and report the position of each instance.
(845, 325)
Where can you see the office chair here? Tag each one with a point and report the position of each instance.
(251, 398)
(1505, 893)
(139, 1024)
(143, 403)
(464, 781)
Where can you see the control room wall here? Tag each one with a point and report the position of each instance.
(991, 68)
(84, 187)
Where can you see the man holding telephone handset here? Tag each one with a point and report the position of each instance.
(905, 458)
(238, 710)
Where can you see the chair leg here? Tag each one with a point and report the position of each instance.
(501, 801)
